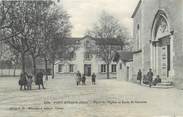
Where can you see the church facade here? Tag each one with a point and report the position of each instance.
(158, 36)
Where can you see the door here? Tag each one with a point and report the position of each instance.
(87, 69)
(165, 60)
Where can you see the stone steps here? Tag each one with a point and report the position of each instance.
(163, 85)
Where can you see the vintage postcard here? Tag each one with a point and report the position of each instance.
(91, 58)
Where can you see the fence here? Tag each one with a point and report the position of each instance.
(9, 72)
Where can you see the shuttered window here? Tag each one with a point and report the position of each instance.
(60, 68)
(71, 68)
(103, 68)
(113, 68)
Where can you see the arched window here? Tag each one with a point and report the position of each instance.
(160, 26)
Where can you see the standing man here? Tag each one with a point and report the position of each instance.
(23, 80)
(93, 78)
(78, 78)
(139, 76)
(39, 79)
(150, 77)
(83, 79)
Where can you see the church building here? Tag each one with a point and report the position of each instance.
(158, 36)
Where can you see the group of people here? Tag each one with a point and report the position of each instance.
(26, 80)
(148, 79)
(82, 79)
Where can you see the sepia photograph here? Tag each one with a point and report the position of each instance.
(91, 58)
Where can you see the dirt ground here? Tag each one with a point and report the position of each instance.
(108, 98)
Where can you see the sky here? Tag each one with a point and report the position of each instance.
(84, 13)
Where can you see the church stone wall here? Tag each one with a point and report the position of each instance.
(174, 12)
(137, 57)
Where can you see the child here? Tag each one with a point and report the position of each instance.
(157, 80)
(29, 82)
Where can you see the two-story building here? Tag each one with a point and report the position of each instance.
(85, 60)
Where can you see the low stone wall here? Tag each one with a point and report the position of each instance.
(9, 72)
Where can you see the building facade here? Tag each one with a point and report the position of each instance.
(124, 66)
(85, 60)
(158, 35)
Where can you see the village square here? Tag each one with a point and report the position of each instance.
(111, 64)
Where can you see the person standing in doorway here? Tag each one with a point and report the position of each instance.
(150, 77)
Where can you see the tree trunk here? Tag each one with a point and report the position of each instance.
(23, 62)
(53, 70)
(108, 71)
(46, 68)
(34, 65)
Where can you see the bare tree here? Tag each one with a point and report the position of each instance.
(45, 24)
(35, 41)
(110, 36)
(5, 53)
(14, 58)
(4, 9)
(56, 26)
(61, 29)
(20, 17)
(33, 28)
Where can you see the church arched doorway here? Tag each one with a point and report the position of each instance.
(161, 47)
